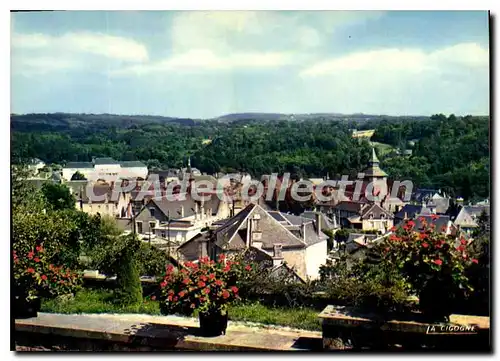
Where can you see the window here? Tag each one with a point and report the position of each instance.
(139, 227)
(152, 212)
(164, 234)
(152, 226)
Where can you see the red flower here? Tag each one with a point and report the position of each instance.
(222, 257)
(186, 281)
(153, 298)
(387, 249)
(182, 293)
(170, 268)
(202, 299)
(203, 278)
(211, 276)
(393, 237)
(434, 216)
(30, 254)
(393, 229)
(234, 289)
(421, 219)
(218, 283)
(422, 235)
(169, 297)
(438, 262)
(39, 248)
(227, 268)
(461, 248)
(463, 241)
(411, 224)
(248, 267)
(30, 270)
(37, 259)
(225, 294)
(425, 245)
(206, 290)
(473, 260)
(201, 284)
(175, 299)
(163, 284)
(44, 277)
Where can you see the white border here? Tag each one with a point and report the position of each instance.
(188, 5)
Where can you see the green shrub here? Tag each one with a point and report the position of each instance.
(129, 290)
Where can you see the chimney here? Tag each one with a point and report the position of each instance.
(318, 223)
(277, 255)
(203, 247)
(406, 215)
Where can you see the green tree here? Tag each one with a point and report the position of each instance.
(58, 196)
(129, 289)
(78, 176)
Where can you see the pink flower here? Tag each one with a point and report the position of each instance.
(248, 267)
(218, 283)
(438, 262)
(30, 254)
(434, 216)
(37, 259)
(153, 298)
(473, 260)
(201, 284)
(44, 277)
(30, 270)
(186, 281)
(425, 245)
(163, 284)
(225, 294)
(206, 290)
(234, 289)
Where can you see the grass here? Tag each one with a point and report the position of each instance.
(101, 301)
(382, 148)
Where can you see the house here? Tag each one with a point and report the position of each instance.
(181, 219)
(35, 165)
(372, 217)
(100, 198)
(443, 224)
(106, 169)
(298, 241)
(462, 219)
(410, 211)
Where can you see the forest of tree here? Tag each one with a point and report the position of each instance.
(451, 152)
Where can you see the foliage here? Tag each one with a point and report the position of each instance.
(129, 290)
(429, 259)
(35, 276)
(151, 261)
(206, 286)
(78, 176)
(373, 287)
(58, 196)
(449, 151)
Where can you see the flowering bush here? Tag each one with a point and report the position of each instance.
(434, 263)
(35, 276)
(206, 286)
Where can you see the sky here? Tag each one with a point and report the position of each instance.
(206, 64)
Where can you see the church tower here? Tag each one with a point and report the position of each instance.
(375, 175)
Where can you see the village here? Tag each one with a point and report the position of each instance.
(188, 228)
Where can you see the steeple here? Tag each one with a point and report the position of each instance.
(374, 159)
(373, 170)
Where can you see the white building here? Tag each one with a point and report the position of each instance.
(106, 169)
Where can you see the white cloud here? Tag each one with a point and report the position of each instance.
(402, 60)
(39, 53)
(207, 60)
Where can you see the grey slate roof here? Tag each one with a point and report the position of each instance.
(79, 165)
(440, 222)
(189, 204)
(132, 163)
(233, 234)
(105, 160)
(326, 223)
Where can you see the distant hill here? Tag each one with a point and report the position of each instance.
(65, 121)
(244, 117)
